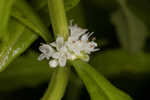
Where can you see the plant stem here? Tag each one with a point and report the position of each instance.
(57, 85)
(60, 76)
(58, 18)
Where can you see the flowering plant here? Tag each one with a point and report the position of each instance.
(76, 46)
(37, 47)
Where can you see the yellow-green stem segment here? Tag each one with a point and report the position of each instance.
(58, 18)
(60, 76)
(57, 85)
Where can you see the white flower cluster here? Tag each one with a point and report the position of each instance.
(76, 46)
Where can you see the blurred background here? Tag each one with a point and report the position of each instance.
(122, 30)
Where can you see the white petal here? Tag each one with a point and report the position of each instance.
(76, 31)
(90, 34)
(64, 49)
(56, 55)
(46, 49)
(59, 42)
(43, 48)
(84, 38)
(62, 60)
(72, 56)
(97, 49)
(94, 44)
(41, 57)
(76, 51)
(53, 44)
(53, 63)
(78, 48)
(71, 22)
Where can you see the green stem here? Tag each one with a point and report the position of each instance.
(59, 79)
(57, 85)
(58, 18)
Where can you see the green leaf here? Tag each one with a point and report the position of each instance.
(69, 4)
(112, 63)
(20, 39)
(5, 9)
(141, 9)
(25, 71)
(60, 77)
(25, 14)
(132, 31)
(22, 35)
(40, 4)
(42, 7)
(98, 87)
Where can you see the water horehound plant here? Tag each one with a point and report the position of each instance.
(70, 49)
(77, 46)
(72, 43)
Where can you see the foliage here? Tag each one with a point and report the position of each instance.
(122, 31)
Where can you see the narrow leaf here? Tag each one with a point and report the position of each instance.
(140, 9)
(131, 30)
(69, 4)
(25, 71)
(25, 14)
(115, 62)
(22, 38)
(40, 4)
(5, 9)
(98, 87)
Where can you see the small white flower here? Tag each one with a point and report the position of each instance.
(76, 31)
(59, 43)
(61, 56)
(76, 46)
(53, 63)
(62, 60)
(47, 52)
(79, 42)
